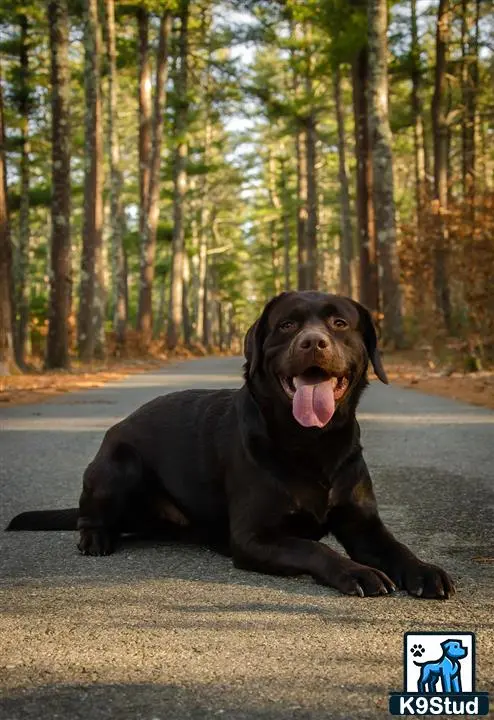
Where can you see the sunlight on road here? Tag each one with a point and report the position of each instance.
(435, 419)
(184, 381)
(90, 424)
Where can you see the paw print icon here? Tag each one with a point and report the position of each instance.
(417, 650)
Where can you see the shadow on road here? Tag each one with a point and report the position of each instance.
(146, 701)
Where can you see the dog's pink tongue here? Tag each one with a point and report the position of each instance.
(313, 405)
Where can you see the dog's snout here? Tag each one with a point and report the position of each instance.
(314, 341)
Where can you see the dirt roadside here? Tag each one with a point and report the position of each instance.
(36, 386)
(412, 371)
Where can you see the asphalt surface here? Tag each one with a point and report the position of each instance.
(164, 632)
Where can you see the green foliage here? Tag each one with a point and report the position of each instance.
(255, 76)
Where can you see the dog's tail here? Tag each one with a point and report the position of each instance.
(45, 520)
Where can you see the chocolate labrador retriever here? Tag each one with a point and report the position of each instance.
(267, 470)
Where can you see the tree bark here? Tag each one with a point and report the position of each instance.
(312, 211)
(275, 260)
(303, 280)
(440, 134)
(148, 240)
(277, 209)
(175, 320)
(369, 286)
(187, 325)
(145, 117)
(204, 221)
(383, 181)
(159, 320)
(57, 354)
(346, 233)
(285, 200)
(302, 210)
(23, 262)
(116, 183)
(91, 301)
(418, 123)
(470, 81)
(310, 124)
(7, 354)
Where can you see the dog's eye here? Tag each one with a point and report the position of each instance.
(338, 323)
(287, 325)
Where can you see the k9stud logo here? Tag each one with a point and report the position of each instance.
(439, 676)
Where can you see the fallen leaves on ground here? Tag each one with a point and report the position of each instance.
(412, 370)
(36, 385)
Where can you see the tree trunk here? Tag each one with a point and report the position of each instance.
(418, 123)
(382, 159)
(57, 353)
(148, 240)
(90, 308)
(126, 280)
(145, 119)
(175, 320)
(310, 125)
(440, 132)
(187, 328)
(285, 199)
(159, 320)
(302, 210)
(303, 281)
(312, 221)
(275, 260)
(470, 80)
(221, 331)
(7, 354)
(369, 286)
(116, 182)
(23, 263)
(204, 221)
(277, 209)
(346, 233)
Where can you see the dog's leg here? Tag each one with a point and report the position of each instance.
(294, 556)
(367, 540)
(257, 545)
(357, 525)
(109, 483)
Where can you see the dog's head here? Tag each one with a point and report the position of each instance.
(454, 649)
(311, 350)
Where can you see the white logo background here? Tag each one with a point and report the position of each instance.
(431, 643)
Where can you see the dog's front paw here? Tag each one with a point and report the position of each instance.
(425, 581)
(96, 541)
(363, 581)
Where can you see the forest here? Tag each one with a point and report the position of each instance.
(166, 167)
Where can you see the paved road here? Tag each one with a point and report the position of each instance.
(166, 632)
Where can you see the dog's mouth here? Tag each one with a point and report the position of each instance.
(314, 394)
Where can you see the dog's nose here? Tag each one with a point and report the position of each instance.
(314, 341)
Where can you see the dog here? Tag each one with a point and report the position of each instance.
(447, 669)
(262, 473)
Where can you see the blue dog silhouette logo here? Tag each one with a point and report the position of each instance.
(439, 662)
(446, 669)
(439, 676)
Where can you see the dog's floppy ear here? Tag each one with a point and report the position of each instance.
(250, 353)
(370, 341)
(255, 337)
